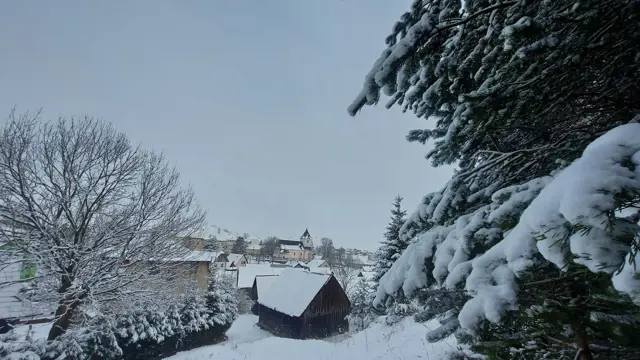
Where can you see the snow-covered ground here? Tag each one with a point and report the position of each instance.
(403, 341)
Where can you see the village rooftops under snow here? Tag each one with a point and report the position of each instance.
(293, 291)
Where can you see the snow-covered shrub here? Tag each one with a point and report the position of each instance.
(12, 347)
(221, 300)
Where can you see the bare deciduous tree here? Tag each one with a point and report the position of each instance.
(97, 215)
(346, 276)
(269, 247)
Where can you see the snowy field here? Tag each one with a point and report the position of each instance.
(403, 341)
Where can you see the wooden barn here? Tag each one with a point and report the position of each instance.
(300, 304)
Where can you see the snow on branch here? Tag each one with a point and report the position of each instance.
(95, 214)
(570, 216)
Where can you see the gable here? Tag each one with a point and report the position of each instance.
(330, 298)
(293, 291)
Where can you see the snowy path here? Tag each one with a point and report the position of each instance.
(403, 341)
(245, 330)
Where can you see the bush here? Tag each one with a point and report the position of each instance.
(149, 333)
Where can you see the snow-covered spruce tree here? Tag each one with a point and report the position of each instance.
(362, 312)
(221, 300)
(507, 82)
(517, 90)
(392, 245)
(92, 211)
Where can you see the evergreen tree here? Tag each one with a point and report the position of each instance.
(221, 299)
(517, 90)
(239, 246)
(362, 313)
(392, 245)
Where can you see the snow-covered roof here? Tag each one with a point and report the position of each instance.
(203, 256)
(292, 292)
(248, 273)
(196, 256)
(264, 282)
(291, 247)
(233, 258)
(321, 270)
(317, 263)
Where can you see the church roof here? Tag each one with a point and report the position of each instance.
(306, 234)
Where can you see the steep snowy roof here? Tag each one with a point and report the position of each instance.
(292, 292)
(248, 273)
(233, 258)
(264, 282)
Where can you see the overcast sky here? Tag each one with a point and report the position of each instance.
(247, 98)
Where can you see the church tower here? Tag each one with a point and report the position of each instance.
(307, 240)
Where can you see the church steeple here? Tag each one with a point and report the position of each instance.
(306, 239)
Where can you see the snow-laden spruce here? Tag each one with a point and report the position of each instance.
(565, 215)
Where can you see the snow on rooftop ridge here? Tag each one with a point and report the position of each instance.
(293, 291)
(248, 273)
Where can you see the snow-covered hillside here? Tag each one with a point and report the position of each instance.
(402, 341)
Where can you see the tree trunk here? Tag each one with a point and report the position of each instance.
(66, 306)
(577, 291)
(64, 313)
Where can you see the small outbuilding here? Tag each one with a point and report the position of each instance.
(300, 304)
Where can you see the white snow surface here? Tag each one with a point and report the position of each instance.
(293, 290)
(402, 341)
(248, 273)
(264, 282)
(234, 258)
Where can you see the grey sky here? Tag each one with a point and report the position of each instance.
(247, 98)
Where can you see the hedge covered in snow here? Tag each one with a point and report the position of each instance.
(149, 333)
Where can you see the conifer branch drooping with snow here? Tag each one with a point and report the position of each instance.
(530, 100)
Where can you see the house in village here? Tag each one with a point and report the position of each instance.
(301, 304)
(235, 261)
(194, 266)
